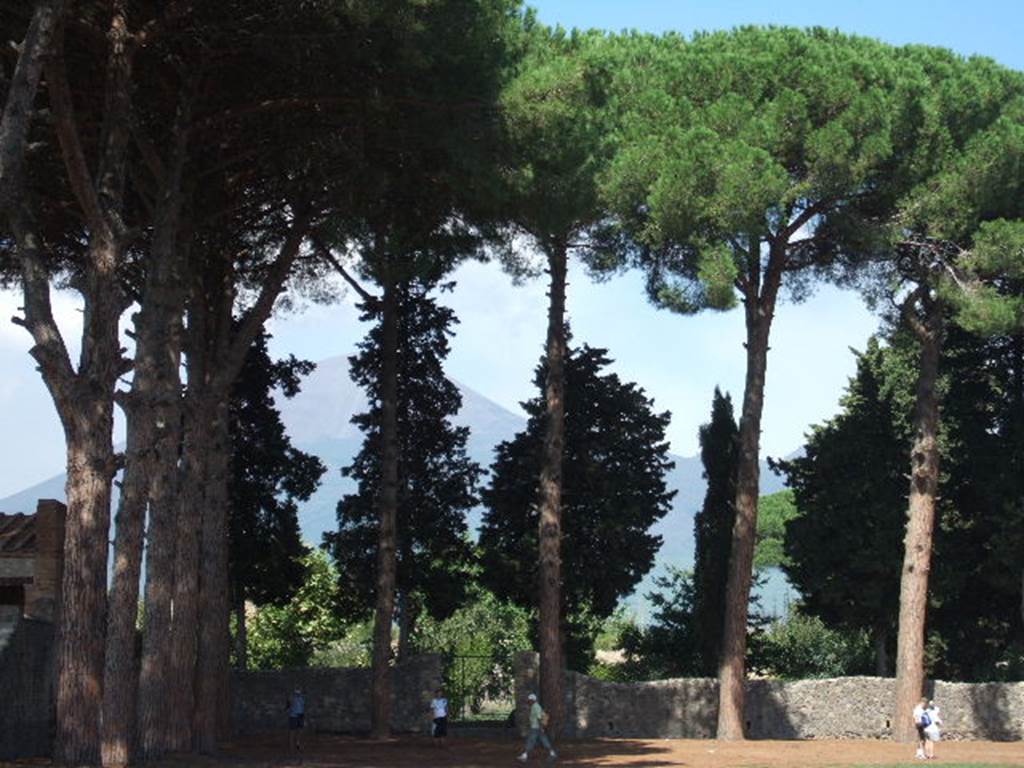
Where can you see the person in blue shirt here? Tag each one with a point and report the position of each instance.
(296, 719)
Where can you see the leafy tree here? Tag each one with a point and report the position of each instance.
(801, 647)
(289, 635)
(436, 479)
(974, 604)
(959, 205)
(746, 160)
(851, 480)
(614, 491)
(479, 640)
(268, 477)
(773, 514)
(713, 530)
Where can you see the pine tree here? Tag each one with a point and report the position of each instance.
(268, 476)
(712, 528)
(436, 479)
(614, 491)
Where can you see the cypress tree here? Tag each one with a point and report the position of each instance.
(712, 528)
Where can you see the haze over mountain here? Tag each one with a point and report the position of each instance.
(318, 421)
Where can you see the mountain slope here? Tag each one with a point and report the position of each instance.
(318, 422)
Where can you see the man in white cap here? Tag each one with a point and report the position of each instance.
(538, 719)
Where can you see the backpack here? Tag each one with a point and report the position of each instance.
(925, 720)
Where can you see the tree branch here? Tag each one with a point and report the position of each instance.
(325, 253)
(273, 284)
(21, 94)
(49, 349)
(71, 146)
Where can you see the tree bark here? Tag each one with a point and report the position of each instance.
(387, 511)
(550, 523)
(185, 624)
(153, 414)
(119, 671)
(759, 308)
(924, 481)
(82, 614)
(213, 663)
(85, 403)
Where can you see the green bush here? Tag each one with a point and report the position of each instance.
(799, 647)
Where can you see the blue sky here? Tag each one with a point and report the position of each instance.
(677, 360)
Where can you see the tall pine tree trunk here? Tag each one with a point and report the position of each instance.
(119, 684)
(212, 675)
(85, 403)
(153, 412)
(88, 415)
(185, 625)
(550, 524)
(82, 615)
(387, 506)
(155, 679)
(759, 309)
(924, 481)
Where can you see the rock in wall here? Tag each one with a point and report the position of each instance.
(337, 700)
(845, 707)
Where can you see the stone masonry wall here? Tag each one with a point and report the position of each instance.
(337, 700)
(26, 690)
(847, 707)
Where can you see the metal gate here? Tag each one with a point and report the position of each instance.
(480, 688)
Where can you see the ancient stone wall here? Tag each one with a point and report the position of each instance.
(337, 700)
(846, 707)
(26, 689)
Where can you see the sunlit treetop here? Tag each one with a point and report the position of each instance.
(734, 143)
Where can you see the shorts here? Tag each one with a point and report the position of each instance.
(440, 727)
(920, 732)
(296, 722)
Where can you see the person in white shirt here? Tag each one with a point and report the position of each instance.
(439, 709)
(920, 720)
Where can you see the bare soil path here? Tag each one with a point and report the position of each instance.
(328, 751)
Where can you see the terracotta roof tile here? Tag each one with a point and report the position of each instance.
(17, 535)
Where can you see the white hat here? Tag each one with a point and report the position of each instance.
(532, 697)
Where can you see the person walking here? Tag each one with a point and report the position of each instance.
(921, 721)
(933, 730)
(439, 709)
(296, 707)
(538, 721)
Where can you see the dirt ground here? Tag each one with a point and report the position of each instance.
(420, 752)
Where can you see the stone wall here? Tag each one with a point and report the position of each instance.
(337, 700)
(847, 707)
(26, 689)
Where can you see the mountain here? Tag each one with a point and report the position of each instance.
(318, 422)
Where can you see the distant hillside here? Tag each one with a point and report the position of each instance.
(318, 422)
